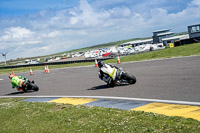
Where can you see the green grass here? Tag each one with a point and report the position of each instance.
(23, 117)
(185, 50)
(36, 68)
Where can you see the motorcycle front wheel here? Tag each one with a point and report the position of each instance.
(130, 78)
(32, 86)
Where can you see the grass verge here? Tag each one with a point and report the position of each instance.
(31, 117)
(184, 50)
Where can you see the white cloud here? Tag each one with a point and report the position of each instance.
(84, 15)
(15, 37)
(195, 2)
(16, 34)
(56, 30)
(53, 34)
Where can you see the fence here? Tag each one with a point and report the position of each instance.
(54, 63)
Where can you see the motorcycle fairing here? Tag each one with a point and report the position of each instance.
(112, 72)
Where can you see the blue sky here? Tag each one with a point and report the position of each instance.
(23, 7)
(39, 27)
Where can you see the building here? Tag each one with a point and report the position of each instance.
(137, 43)
(166, 37)
(161, 34)
(174, 39)
(158, 37)
(194, 31)
(193, 36)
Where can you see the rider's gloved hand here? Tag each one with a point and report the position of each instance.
(116, 67)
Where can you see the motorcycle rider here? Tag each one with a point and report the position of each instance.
(108, 73)
(17, 81)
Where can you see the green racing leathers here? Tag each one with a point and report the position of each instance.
(18, 81)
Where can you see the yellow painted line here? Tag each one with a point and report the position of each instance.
(186, 111)
(73, 101)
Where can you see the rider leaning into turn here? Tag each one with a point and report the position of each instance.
(107, 72)
(17, 81)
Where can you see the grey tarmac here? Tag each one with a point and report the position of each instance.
(175, 79)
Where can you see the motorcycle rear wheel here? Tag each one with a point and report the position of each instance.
(24, 88)
(111, 85)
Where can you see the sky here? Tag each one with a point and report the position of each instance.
(30, 28)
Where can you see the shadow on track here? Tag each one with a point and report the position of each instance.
(17, 93)
(99, 87)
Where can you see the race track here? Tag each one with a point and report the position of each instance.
(170, 79)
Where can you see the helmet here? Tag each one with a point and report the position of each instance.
(11, 76)
(100, 64)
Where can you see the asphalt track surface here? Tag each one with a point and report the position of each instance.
(175, 79)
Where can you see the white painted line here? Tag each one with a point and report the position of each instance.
(1, 79)
(108, 97)
(116, 63)
(126, 62)
(161, 59)
(131, 62)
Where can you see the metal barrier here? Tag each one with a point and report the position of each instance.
(54, 63)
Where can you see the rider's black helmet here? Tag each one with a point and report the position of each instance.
(100, 64)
